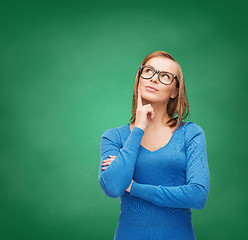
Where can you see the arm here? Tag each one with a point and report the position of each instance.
(119, 174)
(195, 192)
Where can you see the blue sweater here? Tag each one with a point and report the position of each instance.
(168, 182)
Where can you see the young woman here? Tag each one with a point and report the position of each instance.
(157, 164)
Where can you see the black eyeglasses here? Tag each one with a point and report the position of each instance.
(164, 77)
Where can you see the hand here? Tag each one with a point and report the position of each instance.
(108, 161)
(129, 188)
(142, 111)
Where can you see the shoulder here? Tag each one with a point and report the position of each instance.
(114, 133)
(190, 127)
(193, 130)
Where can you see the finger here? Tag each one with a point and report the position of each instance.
(107, 163)
(150, 116)
(104, 168)
(112, 156)
(151, 113)
(139, 99)
(148, 105)
(109, 159)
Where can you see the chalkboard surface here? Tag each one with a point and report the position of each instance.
(67, 72)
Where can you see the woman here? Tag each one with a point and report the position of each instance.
(156, 164)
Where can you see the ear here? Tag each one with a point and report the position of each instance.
(174, 93)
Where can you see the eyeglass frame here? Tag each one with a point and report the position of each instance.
(158, 72)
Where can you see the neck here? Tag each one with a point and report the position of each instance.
(160, 114)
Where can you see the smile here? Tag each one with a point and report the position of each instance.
(151, 89)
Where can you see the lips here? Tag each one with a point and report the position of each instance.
(152, 88)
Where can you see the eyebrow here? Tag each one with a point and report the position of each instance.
(155, 68)
(150, 66)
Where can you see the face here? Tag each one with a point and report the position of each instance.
(164, 92)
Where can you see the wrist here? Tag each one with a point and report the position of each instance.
(140, 126)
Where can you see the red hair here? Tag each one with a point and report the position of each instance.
(177, 106)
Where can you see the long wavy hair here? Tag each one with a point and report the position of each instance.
(178, 107)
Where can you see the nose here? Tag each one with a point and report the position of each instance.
(155, 77)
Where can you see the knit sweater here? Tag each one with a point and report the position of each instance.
(168, 182)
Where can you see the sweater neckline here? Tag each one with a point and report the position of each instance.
(166, 145)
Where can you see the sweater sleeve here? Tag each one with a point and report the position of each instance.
(116, 178)
(195, 192)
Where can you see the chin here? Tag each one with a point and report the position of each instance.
(149, 96)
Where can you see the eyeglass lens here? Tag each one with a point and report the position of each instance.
(148, 72)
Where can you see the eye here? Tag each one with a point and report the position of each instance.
(148, 70)
(163, 75)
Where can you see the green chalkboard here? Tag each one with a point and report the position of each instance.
(67, 71)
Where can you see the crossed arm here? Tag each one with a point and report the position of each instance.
(119, 174)
(191, 195)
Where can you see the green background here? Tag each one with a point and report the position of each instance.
(67, 72)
